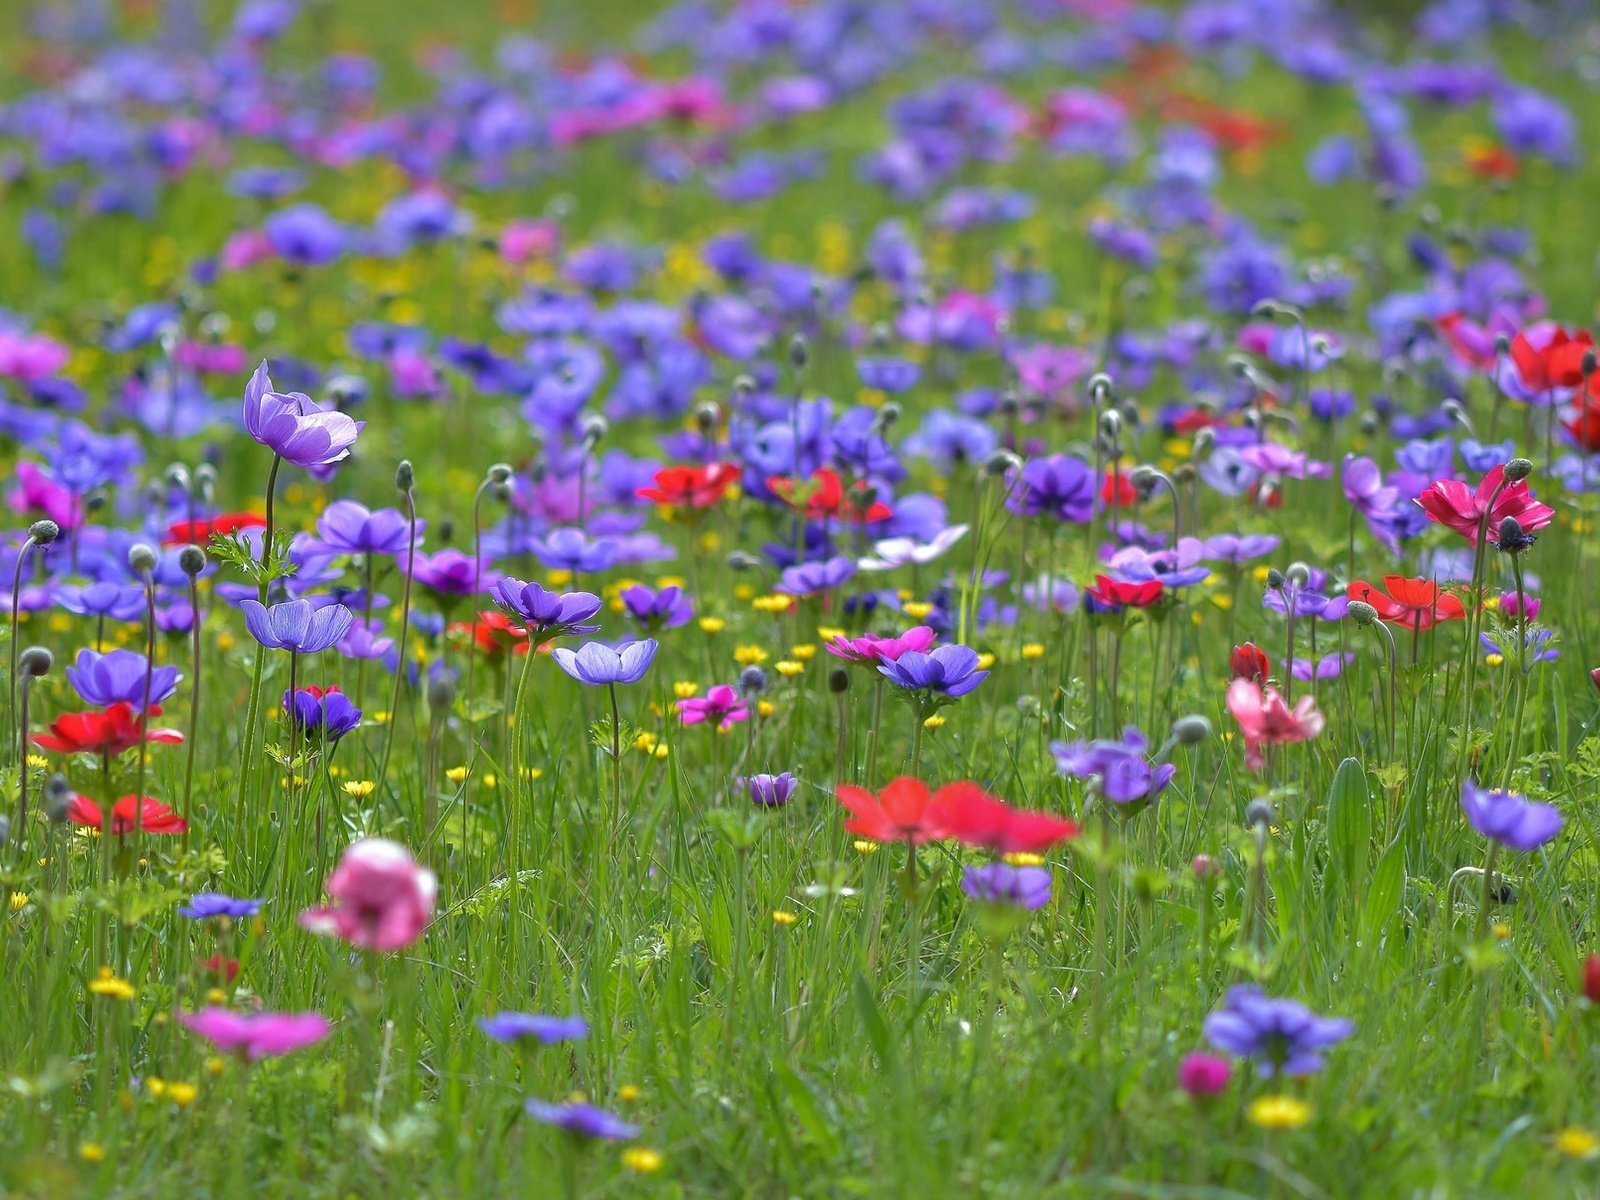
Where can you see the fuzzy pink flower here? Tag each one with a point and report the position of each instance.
(871, 649)
(257, 1035)
(720, 706)
(1266, 720)
(1202, 1074)
(1454, 504)
(30, 356)
(382, 897)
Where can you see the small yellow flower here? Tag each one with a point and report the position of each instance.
(182, 1094)
(1032, 651)
(803, 653)
(743, 592)
(19, 901)
(216, 1064)
(380, 718)
(359, 789)
(216, 996)
(1578, 1143)
(532, 772)
(685, 688)
(828, 634)
(645, 741)
(1021, 858)
(661, 751)
(772, 604)
(1494, 660)
(224, 642)
(765, 708)
(1501, 930)
(489, 781)
(666, 581)
(559, 579)
(712, 625)
(1279, 1112)
(933, 722)
(749, 656)
(38, 762)
(985, 661)
(642, 1159)
(91, 1152)
(783, 916)
(788, 668)
(917, 609)
(630, 1093)
(107, 984)
(156, 1086)
(456, 774)
(865, 846)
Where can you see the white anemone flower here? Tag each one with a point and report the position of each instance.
(904, 552)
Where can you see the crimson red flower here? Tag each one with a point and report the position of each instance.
(1415, 604)
(1492, 162)
(494, 633)
(220, 965)
(1121, 593)
(965, 812)
(828, 499)
(109, 732)
(1118, 488)
(152, 815)
(182, 533)
(902, 812)
(1584, 424)
(1556, 361)
(691, 487)
(1250, 661)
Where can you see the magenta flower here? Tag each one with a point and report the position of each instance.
(720, 706)
(1455, 505)
(1202, 1074)
(382, 897)
(870, 649)
(257, 1035)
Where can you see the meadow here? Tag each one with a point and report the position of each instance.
(833, 599)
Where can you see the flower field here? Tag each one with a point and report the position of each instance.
(829, 599)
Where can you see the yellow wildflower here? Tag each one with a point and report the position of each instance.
(107, 984)
(712, 625)
(917, 609)
(1032, 651)
(1577, 1143)
(1279, 1112)
(788, 668)
(19, 901)
(182, 1094)
(936, 721)
(359, 789)
(685, 688)
(783, 916)
(630, 1093)
(456, 774)
(865, 846)
(749, 656)
(91, 1152)
(803, 653)
(642, 1159)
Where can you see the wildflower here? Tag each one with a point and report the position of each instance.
(667, 609)
(1591, 978)
(690, 487)
(1265, 719)
(643, 1159)
(150, 815)
(546, 614)
(348, 527)
(721, 707)
(382, 899)
(826, 498)
(871, 649)
(783, 916)
(1415, 604)
(1279, 1035)
(1455, 505)
(109, 985)
(1574, 1142)
(1250, 661)
(18, 901)
(947, 671)
(450, 574)
(456, 774)
(517, 1026)
(596, 664)
(771, 791)
(1119, 593)
(118, 677)
(581, 1120)
(91, 1152)
(903, 811)
(1026, 888)
(788, 669)
(902, 551)
(1279, 1112)
(108, 733)
(712, 625)
(297, 625)
(257, 1035)
(1509, 820)
(966, 813)
(1202, 1074)
(204, 905)
(295, 427)
(359, 789)
(318, 712)
(1057, 486)
(1124, 772)
(182, 1094)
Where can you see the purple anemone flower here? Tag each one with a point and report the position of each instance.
(365, 640)
(667, 609)
(319, 713)
(117, 677)
(807, 579)
(204, 905)
(1123, 768)
(452, 573)
(568, 549)
(1280, 1035)
(120, 602)
(294, 426)
(1509, 820)
(346, 527)
(597, 664)
(770, 791)
(582, 1120)
(946, 670)
(298, 626)
(546, 614)
(1059, 486)
(1000, 883)
(546, 1030)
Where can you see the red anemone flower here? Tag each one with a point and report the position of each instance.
(494, 633)
(1454, 504)
(1121, 593)
(828, 499)
(109, 732)
(182, 533)
(150, 814)
(1250, 661)
(968, 814)
(691, 487)
(902, 812)
(1117, 488)
(1557, 362)
(1415, 604)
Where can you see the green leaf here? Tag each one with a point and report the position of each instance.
(807, 1107)
(1383, 900)
(876, 1028)
(1350, 827)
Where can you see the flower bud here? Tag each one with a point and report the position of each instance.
(205, 479)
(1502, 343)
(405, 476)
(57, 798)
(1001, 463)
(1275, 579)
(799, 351)
(142, 558)
(594, 429)
(1587, 364)
(743, 560)
(1191, 730)
(177, 476)
(1111, 423)
(44, 532)
(1203, 866)
(839, 680)
(1513, 538)
(442, 690)
(1099, 387)
(706, 417)
(35, 661)
(1363, 613)
(752, 681)
(1298, 574)
(1517, 469)
(887, 416)
(1259, 814)
(1591, 978)
(192, 560)
(500, 473)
